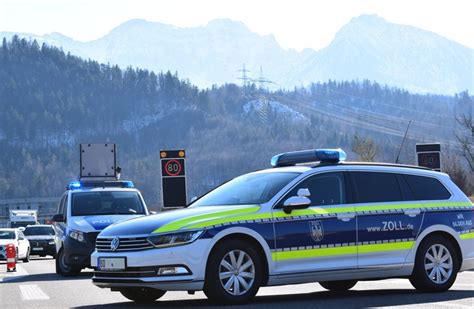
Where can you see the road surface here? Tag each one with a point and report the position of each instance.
(35, 285)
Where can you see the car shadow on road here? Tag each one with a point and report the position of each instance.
(350, 299)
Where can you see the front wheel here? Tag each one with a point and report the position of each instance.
(436, 265)
(338, 285)
(27, 257)
(62, 268)
(142, 295)
(234, 273)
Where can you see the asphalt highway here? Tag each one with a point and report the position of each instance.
(35, 285)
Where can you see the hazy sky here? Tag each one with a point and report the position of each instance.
(295, 23)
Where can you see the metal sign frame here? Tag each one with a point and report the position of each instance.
(437, 149)
(112, 175)
(173, 154)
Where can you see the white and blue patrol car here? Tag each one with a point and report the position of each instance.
(85, 209)
(329, 222)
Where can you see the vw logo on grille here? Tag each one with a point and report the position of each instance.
(115, 243)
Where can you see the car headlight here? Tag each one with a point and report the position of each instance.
(51, 242)
(174, 239)
(77, 235)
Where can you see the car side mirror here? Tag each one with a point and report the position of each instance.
(301, 201)
(58, 218)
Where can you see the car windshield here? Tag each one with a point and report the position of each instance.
(7, 235)
(39, 230)
(106, 203)
(255, 188)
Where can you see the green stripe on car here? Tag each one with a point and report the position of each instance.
(335, 251)
(249, 214)
(178, 224)
(467, 235)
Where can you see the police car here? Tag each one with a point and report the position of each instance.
(329, 222)
(85, 209)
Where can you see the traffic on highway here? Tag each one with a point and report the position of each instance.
(311, 218)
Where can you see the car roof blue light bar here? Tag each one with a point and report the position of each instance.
(308, 156)
(75, 185)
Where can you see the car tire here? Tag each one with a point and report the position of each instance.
(436, 265)
(27, 257)
(232, 266)
(338, 286)
(63, 269)
(142, 295)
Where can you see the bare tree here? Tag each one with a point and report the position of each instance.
(466, 135)
(365, 148)
(467, 140)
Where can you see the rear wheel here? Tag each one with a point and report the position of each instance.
(436, 265)
(338, 285)
(234, 273)
(142, 295)
(62, 268)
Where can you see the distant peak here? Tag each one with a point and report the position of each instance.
(223, 23)
(368, 19)
(135, 21)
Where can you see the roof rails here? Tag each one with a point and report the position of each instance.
(75, 185)
(375, 164)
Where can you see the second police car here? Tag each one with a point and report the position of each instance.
(332, 222)
(85, 209)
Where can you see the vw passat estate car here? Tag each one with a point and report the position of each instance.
(329, 222)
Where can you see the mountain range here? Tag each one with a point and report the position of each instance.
(368, 47)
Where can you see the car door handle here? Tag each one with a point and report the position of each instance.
(412, 212)
(346, 216)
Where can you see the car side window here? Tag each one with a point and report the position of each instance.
(325, 189)
(60, 206)
(374, 187)
(427, 188)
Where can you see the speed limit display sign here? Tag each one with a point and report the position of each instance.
(173, 178)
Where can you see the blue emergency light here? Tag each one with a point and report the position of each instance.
(74, 185)
(308, 156)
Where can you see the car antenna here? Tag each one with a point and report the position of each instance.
(403, 142)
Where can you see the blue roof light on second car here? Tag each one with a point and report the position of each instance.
(308, 156)
(128, 184)
(74, 185)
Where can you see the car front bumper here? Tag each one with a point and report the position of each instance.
(49, 249)
(141, 267)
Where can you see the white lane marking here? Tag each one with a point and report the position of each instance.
(450, 305)
(32, 292)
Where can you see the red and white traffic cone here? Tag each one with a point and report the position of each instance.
(11, 257)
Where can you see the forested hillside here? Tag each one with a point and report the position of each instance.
(51, 101)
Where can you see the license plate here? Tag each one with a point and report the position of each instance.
(111, 263)
(37, 249)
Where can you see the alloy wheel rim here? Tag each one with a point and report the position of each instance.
(438, 264)
(237, 272)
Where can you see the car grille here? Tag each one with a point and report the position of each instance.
(125, 244)
(131, 272)
(39, 243)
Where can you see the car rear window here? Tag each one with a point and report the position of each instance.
(373, 187)
(427, 188)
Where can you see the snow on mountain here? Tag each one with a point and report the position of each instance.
(368, 47)
(267, 109)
